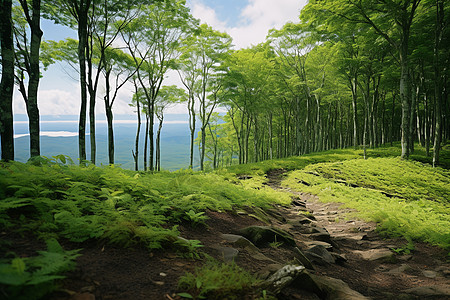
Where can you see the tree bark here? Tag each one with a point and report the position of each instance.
(438, 80)
(191, 108)
(33, 84)
(7, 81)
(109, 118)
(158, 143)
(82, 11)
(138, 132)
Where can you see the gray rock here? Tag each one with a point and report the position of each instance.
(300, 219)
(321, 236)
(276, 215)
(403, 268)
(303, 259)
(268, 270)
(319, 243)
(429, 274)
(327, 287)
(239, 241)
(430, 291)
(340, 259)
(283, 277)
(263, 235)
(320, 255)
(228, 254)
(376, 254)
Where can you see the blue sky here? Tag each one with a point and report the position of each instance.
(247, 21)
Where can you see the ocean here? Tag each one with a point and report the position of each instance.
(59, 135)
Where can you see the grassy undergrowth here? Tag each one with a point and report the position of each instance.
(300, 162)
(121, 206)
(55, 199)
(406, 198)
(217, 280)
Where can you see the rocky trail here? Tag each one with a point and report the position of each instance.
(344, 258)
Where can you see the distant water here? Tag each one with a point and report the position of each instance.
(60, 136)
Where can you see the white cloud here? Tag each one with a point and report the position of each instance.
(52, 102)
(256, 19)
(207, 15)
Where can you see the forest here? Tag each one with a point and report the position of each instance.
(326, 177)
(345, 75)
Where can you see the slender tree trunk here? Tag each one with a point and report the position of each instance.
(191, 107)
(354, 84)
(270, 137)
(152, 136)
(405, 94)
(7, 81)
(308, 132)
(33, 84)
(146, 141)
(138, 132)
(438, 80)
(426, 127)
(92, 91)
(158, 144)
(412, 119)
(82, 38)
(392, 120)
(109, 118)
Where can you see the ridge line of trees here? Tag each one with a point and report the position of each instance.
(349, 73)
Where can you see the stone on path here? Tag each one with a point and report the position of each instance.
(327, 287)
(429, 274)
(320, 255)
(303, 259)
(283, 278)
(375, 254)
(300, 220)
(263, 235)
(228, 254)
(403, 268)
(239, 241)
(319, 243)
(321, 236)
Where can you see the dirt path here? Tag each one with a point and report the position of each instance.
(360, 257)
(372, 267)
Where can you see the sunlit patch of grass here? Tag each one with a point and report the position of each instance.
(216, 280)
(406, 198)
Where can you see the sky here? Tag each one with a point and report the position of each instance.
(246, 21)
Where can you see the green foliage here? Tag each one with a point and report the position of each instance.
(407, 249)
(33, 277)
(56, 198)
(405, 198)
(189, 248)
(216, 280)
(196, 218)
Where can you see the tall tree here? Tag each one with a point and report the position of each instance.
(27, 59)
(119, 65)
(75, 13)
(392, 20)
(167, 97)
(206, 48)
(7, 81)
(153, 40)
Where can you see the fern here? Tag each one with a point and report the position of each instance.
(33, 277)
